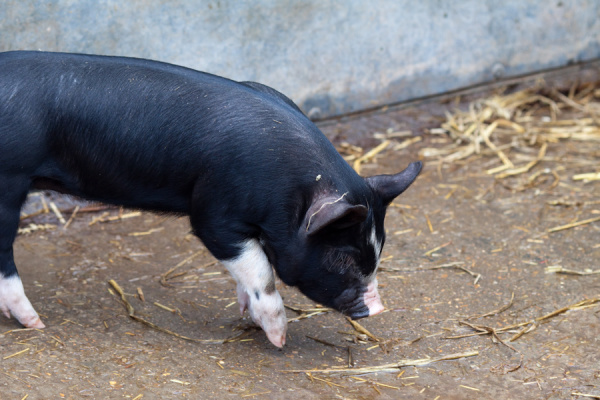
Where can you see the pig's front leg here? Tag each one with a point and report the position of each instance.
(256, 290)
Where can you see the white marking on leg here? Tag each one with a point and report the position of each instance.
(253, 273)
(14, 302)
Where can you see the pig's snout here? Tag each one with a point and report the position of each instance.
(372, 299)
(366, 304)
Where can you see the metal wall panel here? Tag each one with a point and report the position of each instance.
(331, 57)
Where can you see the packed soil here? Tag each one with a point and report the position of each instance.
(478, 304)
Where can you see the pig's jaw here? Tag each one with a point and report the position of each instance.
(368, 302)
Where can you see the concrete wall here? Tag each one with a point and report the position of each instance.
(331, 57)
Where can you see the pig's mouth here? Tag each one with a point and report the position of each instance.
(363, 304)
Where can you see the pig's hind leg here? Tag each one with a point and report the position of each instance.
(12, 296)
(256, 290)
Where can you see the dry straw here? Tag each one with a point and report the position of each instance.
(526, 120)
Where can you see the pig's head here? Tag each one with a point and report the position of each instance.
(341, 244)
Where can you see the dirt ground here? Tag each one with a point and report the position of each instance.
(455, 216)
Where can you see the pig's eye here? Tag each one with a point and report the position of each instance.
(341, 260)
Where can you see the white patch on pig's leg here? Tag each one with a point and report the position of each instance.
(256, 290)
(14, 302)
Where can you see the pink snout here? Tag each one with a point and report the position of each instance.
(372, 299)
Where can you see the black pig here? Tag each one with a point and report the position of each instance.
(261, 184)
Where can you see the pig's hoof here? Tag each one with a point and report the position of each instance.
(35, 323)
(278, 339)
(269, 313)
(274, 325)
(25, 315)
(14, 302)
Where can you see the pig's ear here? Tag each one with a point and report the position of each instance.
(332, 213)
(388, 187)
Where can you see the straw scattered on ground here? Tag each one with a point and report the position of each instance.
(132, 314)
(392, 367)
(521, 122)
(526, 326)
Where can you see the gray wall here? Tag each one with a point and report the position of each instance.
(331, 57)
